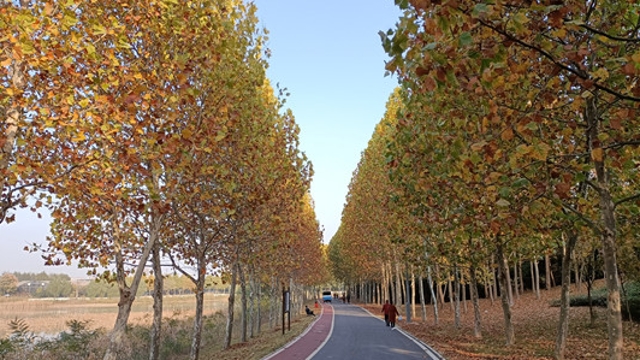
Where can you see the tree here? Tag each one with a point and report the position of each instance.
(8, 283)
(577, 61)
(58, 286)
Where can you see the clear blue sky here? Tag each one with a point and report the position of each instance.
(328, 55)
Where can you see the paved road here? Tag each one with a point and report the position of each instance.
(358, 335)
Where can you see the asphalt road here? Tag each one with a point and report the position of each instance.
(358, 335)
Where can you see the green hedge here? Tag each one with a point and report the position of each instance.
(599, 299)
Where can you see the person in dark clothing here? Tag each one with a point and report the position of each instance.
(393, 312)
(385, 310)
(308, 311)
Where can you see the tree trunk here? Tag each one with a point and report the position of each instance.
(158, 285)
(563, 323)
(252, 303)
(243, 304)
(614, 316)
(592, 317)
(450, 291)
(232, 300)
(494, 283)
(537, 276)
(384, 292)
(503, 269)
(259, 307)
(433, 296)
(398, 285)
(197, 321)
(374, 292)
(520, 275)
(516, 282)
(547, 271)
(608, 234)
(509, 288)
(533, 278)
(423, 307)
(127, 294)
(576, 270)
(456, 291)
(439, 289)
(464, 297)
(413, 292)
(477, 330)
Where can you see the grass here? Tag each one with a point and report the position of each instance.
(49, 316)
(268, 342)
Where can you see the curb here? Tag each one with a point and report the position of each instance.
(427, 349)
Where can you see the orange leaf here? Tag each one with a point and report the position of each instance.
(615, 123)
(429, 83)
(507, 135)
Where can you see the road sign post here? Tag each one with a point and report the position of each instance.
(286, 308)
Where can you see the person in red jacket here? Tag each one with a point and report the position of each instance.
(393, 312)
(385, 310)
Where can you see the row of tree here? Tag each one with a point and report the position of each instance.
(44, 285)
(514, 135)
(150, 132)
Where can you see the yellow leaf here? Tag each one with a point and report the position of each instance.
(79, 137)
(6, 62)
(597, 154)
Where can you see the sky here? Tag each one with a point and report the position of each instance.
(328, 55)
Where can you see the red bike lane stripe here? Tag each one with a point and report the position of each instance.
(310, 341)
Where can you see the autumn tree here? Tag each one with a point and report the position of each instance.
(8, 283)
(578, 63)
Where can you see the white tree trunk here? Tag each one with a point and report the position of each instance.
(423, 307)
(436, 318)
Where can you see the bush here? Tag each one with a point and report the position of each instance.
(599, 299)
(77, 343)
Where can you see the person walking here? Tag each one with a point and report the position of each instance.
(393, 312)
(385, 311)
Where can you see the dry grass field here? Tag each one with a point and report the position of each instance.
(49, 316)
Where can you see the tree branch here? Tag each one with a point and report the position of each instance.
(628, 198)
(558, 63)
(619, 145)
(612, 37)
